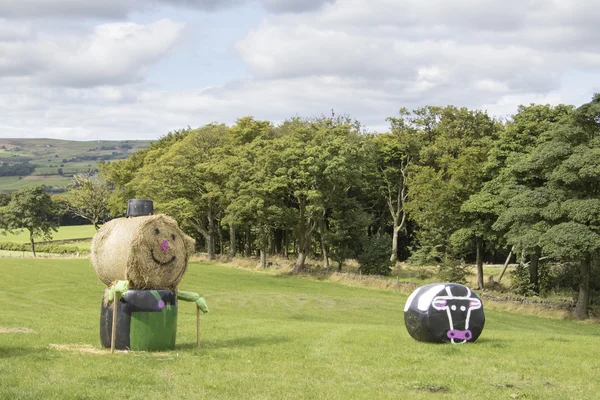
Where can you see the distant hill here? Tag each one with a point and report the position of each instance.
(51, 162)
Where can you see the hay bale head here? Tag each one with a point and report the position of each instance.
(151, 252)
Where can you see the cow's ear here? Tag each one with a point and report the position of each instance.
(474, 304)
(439, 303)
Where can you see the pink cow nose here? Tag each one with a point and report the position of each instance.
(458, 334)
(165, 245)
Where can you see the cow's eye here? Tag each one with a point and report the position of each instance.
(453, 308)
(463, 308)
(156, 230)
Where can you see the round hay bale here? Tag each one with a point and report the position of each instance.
(150, 252)
(444, 312)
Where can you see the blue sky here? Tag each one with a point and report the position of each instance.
(206, 56)
(136, 69)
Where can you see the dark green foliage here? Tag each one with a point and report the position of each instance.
(519, 278)
(42, 248)
(17, 169)
(375, 256)
(451, 270)
(32, 210)
(521, 283)
(449, 183)
(4, 199)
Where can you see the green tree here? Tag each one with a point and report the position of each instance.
(88, 198)
(516, 186)
(4, 199)
(557, 207)
(247, 201)
(33, 210)
(392, 154)
(313, 163)
(120, 174)
(181, 181)
(455, 143)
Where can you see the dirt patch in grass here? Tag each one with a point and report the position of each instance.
(89, 349)
(432, 388)
(16, 330)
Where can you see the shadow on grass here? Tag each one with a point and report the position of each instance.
(13, 352)
(317, 274)
(251, 341)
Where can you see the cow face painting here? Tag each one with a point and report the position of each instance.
(444, 312)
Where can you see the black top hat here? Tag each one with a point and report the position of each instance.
(139, 207)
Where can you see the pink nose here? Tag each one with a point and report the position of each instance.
(458, 334)
(165, 245)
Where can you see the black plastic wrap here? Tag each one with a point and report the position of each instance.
(444, 312)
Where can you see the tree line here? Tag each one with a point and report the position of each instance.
(444, 185)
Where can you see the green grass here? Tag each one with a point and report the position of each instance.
(64, 233)
(13, 183)
(277, 337)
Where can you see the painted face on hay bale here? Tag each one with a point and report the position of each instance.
(151, 252)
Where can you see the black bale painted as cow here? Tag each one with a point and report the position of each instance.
(444, 312)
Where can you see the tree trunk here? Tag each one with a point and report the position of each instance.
(299, 266)
(397, 208)
(506, 264)
(325, 256)
(249, 243)
(232, 241)
(210, 240)
(286, 244)
(394, 256)
(479, 262)
(581, 310)
(263, 258)
(221, 249)
(210, 247)
(32, 243)
(302, 247)
(533, 269)
(304, 244)
(270, 246)
(324, 248)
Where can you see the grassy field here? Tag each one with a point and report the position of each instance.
(276, 337)
(64, 233)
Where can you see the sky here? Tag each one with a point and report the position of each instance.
(137, 69)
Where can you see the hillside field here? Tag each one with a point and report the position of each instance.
(79, 236)
(273, 337)
(63, 233)
(48, 155)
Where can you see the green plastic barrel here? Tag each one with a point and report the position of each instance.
(146, 320)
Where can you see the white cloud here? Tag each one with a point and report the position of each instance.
(366, 59)
(112, 53)
(65, 8)
(110, 9)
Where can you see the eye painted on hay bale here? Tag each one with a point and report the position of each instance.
(157, 231)
(173, 236)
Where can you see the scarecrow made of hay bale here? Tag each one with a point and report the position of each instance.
(142, 258)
